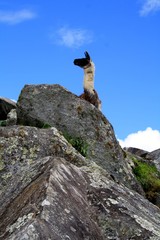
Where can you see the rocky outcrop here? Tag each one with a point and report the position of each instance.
(49, 190)
(136, 151)
(42, 194)
(151, 157)
(154, 156)
(6, 105)
(55, 106)
(147, 171)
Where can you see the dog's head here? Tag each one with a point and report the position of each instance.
(83, 62)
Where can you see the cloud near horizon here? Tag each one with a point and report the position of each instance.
(150, 6)
(15, 17)
(148, 140)
(72, 37)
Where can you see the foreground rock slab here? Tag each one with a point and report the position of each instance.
(49, 191)
(57, 207)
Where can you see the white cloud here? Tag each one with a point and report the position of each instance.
(15, 17)
(150, 6)
(148, 140)
(14, 100)
(72, 38)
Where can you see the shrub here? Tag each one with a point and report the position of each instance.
(46, 125)
(78, 143)
(2, 123)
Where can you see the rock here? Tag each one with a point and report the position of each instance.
(122, 213)
(49, 191)
(145, 166)
(6, 105)
(136, 151)
(54, 206)
(54, 105)
(76, 187)
(11, 118)
(154, 156)
(27, 157)
(21, 152)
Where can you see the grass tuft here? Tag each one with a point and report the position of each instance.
(78, 143)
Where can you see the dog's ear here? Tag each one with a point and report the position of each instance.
(87, 55)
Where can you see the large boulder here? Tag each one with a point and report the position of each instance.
(152, 157)
(53, 105)
(136, 151)
(42, 195)
(23, 155)
(49, 191)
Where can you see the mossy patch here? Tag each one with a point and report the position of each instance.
(3, 123)
(78, 143)
(149, 177)
(46, 125)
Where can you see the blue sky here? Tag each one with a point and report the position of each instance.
(40, 39)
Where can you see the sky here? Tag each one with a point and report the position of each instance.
(40, 39)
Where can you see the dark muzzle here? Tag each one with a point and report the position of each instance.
(81, 62)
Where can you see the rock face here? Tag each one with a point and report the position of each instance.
(52, 104)
(155, 157)
(137, 151)
(43, 195)
(152, 157)
(48, 190)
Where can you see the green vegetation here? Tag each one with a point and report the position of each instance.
(78, 143)
(46, 125)
(149, 177)
(2, 123)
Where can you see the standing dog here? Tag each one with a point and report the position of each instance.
(90, 93)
